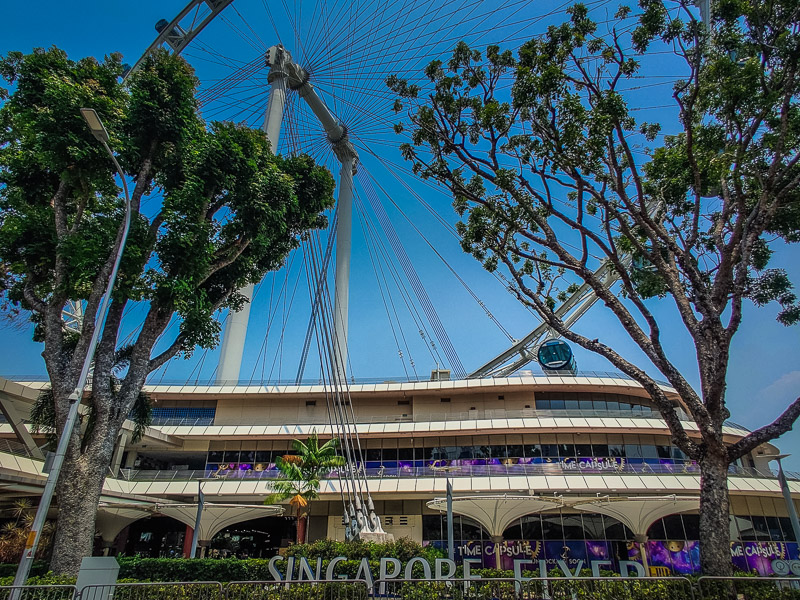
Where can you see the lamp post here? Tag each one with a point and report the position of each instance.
(100, 133)
(787, 496)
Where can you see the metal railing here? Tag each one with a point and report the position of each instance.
(748, 588)
(37, 592)
(195, 590)
(161, 382)
(555, 468)
(550, 588)
(327, 589)
(13, 447)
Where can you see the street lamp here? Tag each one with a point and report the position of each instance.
(787, 496)
(99, 132)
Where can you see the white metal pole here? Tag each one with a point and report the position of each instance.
(235, 330)
(344, 230)
(75, 397)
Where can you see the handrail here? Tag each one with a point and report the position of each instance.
(432, 471)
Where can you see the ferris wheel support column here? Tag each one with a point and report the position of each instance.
(344, 231)
(232, 350)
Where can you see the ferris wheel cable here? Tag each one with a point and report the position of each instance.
(359, 205)
(464, 284)
(264, 46)
(231, 83)
(416, 284)
(286, 313)
(340, 417)
(440, 41)
(264, 343)
(254, 44)
(391, 167)
(316, 292)
(390, 266)
(272, 310)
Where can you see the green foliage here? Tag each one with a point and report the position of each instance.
(300, 475)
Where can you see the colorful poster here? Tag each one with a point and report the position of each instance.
(758, 556)
(676, 557)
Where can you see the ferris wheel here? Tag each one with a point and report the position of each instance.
(312, 75)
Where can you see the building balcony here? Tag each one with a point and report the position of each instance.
(607, 466)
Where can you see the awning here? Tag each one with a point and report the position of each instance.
(215, 517)
(496, 513)
(639, 513)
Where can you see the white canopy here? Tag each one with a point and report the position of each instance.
(215, 517)
(496, 513)
(639, 513)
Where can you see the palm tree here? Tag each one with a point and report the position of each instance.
(300, 476)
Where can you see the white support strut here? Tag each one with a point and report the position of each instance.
(235, 330)
(344, 229)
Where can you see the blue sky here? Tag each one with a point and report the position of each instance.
(765, 368)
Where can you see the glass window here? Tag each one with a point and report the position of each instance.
(786, 527)
(600, 450)
(649, 451)
(531, 527)
(515, 450)
(565, 450)
(616, 530)
(633, 451)
(497, 451)
(405, 454)
(373, 454)
(691, 525)
(216, 456)
(613, 406)
(551, 527)
(774, 527)
(466, 452)
(231, 456)
(432, 527)
(593, 526)
(571, 405)
(673, 527)
(656, 531)
(747, 532)
(482, 452)
(543, 404)
(760, 527)
(389, 454)
(664, 451)
(616, 450)
(263, 456)
(247, 456)
(573, 527)
(557, 405)
(599, 405)
(550, 450)
(532, 450)
(583, 450)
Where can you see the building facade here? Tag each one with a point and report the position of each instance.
(567, 461)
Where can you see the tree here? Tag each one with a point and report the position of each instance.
(14, 533)
(213, 210)
(300, 476)
(557, 181)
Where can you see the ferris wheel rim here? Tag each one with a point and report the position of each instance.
(216, 6)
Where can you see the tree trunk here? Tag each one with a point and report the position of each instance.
(715, 535)
(78, 494)
(301, 528)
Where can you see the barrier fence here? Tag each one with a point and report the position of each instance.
(195, 590)
(550, 588)
(748, 588)
(37, 592)
(322, 589)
